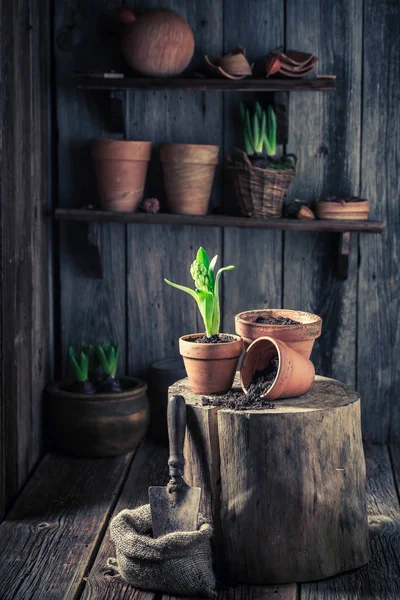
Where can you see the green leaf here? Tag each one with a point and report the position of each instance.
(259, 110)
(247, 145)
(217, 311)
(256, 132)
(268, 147)
(80, 368)
(202, 257)
(206, 307)
(212, 265)
(183, 288)
(248, 129)
(272, 129)
(263, 130)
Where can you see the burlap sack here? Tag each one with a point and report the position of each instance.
(176, 563)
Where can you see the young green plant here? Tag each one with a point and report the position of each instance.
(80, 361)
(206, 292)
(259, 130)
(108, 356)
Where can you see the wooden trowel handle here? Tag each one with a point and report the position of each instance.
(176, 433)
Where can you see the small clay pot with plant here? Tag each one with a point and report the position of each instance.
(261, 179)
(210, 358)
(348, 208)
(96, 414)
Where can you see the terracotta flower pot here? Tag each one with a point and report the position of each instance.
(188, 176)
(121, 168)
(295, 372)
(210, 368)
(99, 424)
(348, 211)
(299, 337)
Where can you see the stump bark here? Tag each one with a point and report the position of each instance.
(285, 487)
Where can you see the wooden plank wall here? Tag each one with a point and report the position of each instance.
(346, 143)
(24, 237)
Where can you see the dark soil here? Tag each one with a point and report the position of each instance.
(220, 338)
(276, 321)
(236, 400)
(343, 199)
(109, 385)
(271, 162)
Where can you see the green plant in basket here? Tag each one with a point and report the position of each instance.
(259, 128)
(108, 356)
(81, 361)
(206, 292)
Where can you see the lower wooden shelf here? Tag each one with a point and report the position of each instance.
(95, 217)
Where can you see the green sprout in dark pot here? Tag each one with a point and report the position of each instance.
(81, 362)
(108, 355)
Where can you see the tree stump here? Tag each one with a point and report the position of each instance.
(285, 487)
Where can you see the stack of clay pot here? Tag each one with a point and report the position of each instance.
(291, 344)
(290, 64)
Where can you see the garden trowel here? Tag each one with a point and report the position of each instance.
(175, 507)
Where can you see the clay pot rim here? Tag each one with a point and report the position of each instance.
(314, 321)
(121, 150)
(361, 203)
(139, 388)
(211, 350)
(278, 351)
(124, 142)
(168, 151)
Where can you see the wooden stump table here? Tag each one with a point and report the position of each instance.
(285, 486)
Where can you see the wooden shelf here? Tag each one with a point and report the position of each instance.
(94, 218)
(314, 84)
(100, 216)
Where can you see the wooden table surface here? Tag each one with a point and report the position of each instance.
(54, 542)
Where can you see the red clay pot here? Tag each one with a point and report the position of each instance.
(295, 372)
(299, 337)
(348, 211)
(121, 168)
(188, 176)
(210, 368)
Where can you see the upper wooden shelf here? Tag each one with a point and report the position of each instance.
(88, 215)
(315, 84)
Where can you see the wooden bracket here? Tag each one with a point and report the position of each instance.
(95, 260)
(117, 100)
(342, 265)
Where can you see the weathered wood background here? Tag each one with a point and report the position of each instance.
(347, 143)
(25, 256)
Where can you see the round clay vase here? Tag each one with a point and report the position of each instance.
(299, 337)
(210, 368)
(188, 176)
(98, 424)
(347, 211)
(158, 43)
(295, 373)
(121, 168)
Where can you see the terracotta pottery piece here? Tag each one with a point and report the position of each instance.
(100, 424)
(305, 213)
(210, 368)
(215, 71)
(300, 337)
(348, 211)
(158, 43)
(188, 176)
(121, 168)
(295, 372)
(290, 64)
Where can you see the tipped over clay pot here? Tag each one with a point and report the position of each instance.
(295, 373)
(210, 368)
(188, 176)
(300, 337)
(121, 168)
(348, 211)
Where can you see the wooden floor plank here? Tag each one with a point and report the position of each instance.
(49, 537)
(250, 592)
(148, 468)
(380, 579)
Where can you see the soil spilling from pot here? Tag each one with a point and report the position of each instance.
(343, 199)
(280, 164)
(276, 321)
(235, 400)
(220, 338)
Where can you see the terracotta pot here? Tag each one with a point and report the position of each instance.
(157, 43)
(295, 372)
(121, 168)
(210, 368)
(97, 425)
(188, 176)
(235, 62)
(348, 211)
(299, 337)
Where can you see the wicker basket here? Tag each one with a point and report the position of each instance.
(260, 192)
